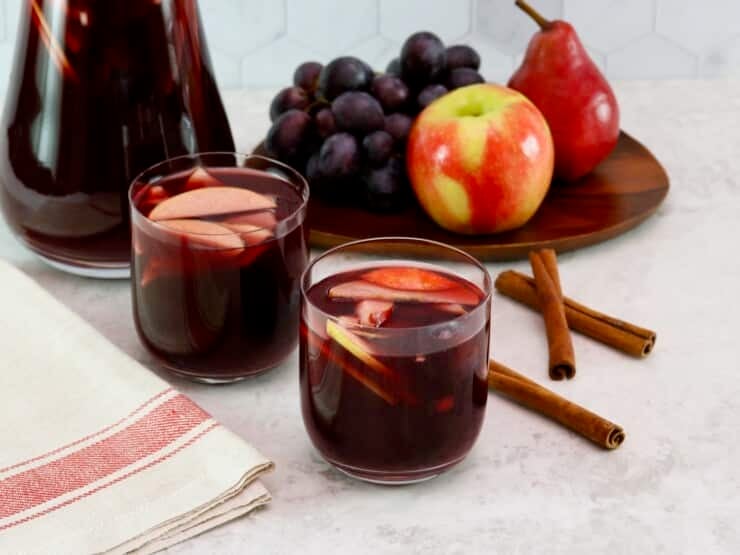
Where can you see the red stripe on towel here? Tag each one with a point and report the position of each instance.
(142, 438)
(63, 504)
(89, 437)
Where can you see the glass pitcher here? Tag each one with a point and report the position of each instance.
(100, 91)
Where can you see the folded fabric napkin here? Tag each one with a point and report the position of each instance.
(97, 454)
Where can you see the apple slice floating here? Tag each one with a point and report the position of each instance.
(201, 179)
(207, 234)
(373, 313)
(357, 346)
(409, 279)
(210, 202)
(251, 234)
(359, 290)
(363, 351)
(221, 243)
(388, 396)
(149, 197)
(265, 219)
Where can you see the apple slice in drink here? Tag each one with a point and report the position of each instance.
(255, 239)
(358, 290)
(408, 278)
(371, 384)
(200, 179)
(353, 324)
(363, 351)
(149, 197)
(219, 243)
(210, 202)
(208, 235)
(264, 219)
(357, 346)
(373, 313)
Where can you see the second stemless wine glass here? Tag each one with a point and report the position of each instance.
(218, 250)
(394, 357)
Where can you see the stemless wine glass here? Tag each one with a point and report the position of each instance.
(394, 357)
(218, 250)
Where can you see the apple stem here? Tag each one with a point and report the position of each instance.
(534, 14)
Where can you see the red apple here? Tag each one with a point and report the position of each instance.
(480, 159)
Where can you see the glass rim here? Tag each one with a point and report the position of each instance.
(304, 192)
(487, 290)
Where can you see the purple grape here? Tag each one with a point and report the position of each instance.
(325, 123)
(312, 168)
(288, 99)
(306, 76)
(357, 112)
(429, 94)
(462, 77)
(344, 74)
(386, 188)
(339, 156)
(462, 55)
(288, 136)
(398, 126)
(391, 92)
(378, 147)
(331, 190)
(394, 67)
(423, 58)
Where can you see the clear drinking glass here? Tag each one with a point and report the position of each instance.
(219, 246)
(394, 357)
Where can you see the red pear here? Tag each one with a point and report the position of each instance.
(560, 78)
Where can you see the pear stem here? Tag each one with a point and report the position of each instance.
(534, 14)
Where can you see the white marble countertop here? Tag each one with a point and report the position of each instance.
(529, 485)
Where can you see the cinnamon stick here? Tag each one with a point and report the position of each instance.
(524, 391)
(621, 335)
(547, 283)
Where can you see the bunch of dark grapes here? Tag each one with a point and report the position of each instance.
(346, 127)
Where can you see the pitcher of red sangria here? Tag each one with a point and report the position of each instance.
(100, 91)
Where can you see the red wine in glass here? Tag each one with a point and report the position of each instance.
(218, 251)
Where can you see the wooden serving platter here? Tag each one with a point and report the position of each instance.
(623, 191)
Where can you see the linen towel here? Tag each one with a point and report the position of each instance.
(98, 454)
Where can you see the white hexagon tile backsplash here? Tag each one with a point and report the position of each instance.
(258, 43)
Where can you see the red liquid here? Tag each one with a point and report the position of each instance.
(100, 91)
(415, 413)
(221, 303)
